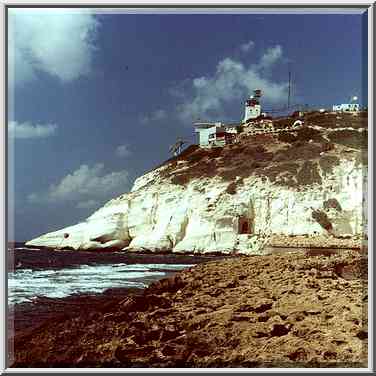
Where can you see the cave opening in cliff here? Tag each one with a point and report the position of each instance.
(244, 226)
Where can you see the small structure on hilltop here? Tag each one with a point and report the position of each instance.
(218, 134)
(215, 134)
(347, 107)
(252, 107)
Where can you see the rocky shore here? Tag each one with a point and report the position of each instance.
(318, 241)
(300, 309)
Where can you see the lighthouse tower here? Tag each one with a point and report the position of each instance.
(252, 107)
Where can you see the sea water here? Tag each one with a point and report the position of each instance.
(25, 283)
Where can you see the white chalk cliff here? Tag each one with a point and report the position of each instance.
(203, 215)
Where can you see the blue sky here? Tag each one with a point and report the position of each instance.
(95, 100)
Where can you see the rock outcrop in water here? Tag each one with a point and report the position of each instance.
(237, 198)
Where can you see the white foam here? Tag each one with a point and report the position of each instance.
(27, 249)
(26, 284)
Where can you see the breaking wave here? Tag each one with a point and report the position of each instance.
(26, 284)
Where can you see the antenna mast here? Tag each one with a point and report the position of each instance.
(289, 94)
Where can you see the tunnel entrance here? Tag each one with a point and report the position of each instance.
(244, 226)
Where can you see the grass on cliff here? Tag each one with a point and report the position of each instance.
(343, 120)
(290, 159)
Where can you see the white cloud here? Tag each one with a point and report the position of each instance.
(28, 130)
(55, 41)
(232, 80)
(153, 116)
(270, 57)
(123, 151)
(246, 47)
(85, 186)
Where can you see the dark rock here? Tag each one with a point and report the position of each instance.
(127, 353)
(158, 301)
(134, 303)
(263, 318)
(279, 330)
(362, 335)
(240, 317)
(245, 308)
(139, 325)
(298, 355)
(263, 307)
(259, 334)
(330, 355)
(169, 332)
(154, 332)
(169, 350)
(233, 283)
(171, 284)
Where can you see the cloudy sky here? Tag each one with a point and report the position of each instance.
(96, 99)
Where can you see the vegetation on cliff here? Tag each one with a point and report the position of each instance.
(294, 158)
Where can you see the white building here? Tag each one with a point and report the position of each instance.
(214, 134)
(252, 107)
(206, 131)
(346, 107)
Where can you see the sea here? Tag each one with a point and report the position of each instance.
(34, 273)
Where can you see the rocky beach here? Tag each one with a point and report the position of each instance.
(290, 309)
(186, 188)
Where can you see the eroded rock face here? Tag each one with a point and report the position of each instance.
(204, 216)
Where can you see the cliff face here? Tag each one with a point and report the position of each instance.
(233, 200)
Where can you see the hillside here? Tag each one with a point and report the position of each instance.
(290, 158)
(235, 199)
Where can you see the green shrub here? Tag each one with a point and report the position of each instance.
(287, 137)
(306, 134)
(298, 151)
(282, 123)
(327, 163)
(239, 129)
(215, 152)
(180, 179)
(351, 138)
(309, 174)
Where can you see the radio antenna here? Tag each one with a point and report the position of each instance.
(289, 93)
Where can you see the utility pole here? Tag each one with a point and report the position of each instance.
(289, 94)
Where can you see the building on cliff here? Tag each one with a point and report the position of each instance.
(215, 134)
(252, 107)
(219, 134)
(347, 107)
